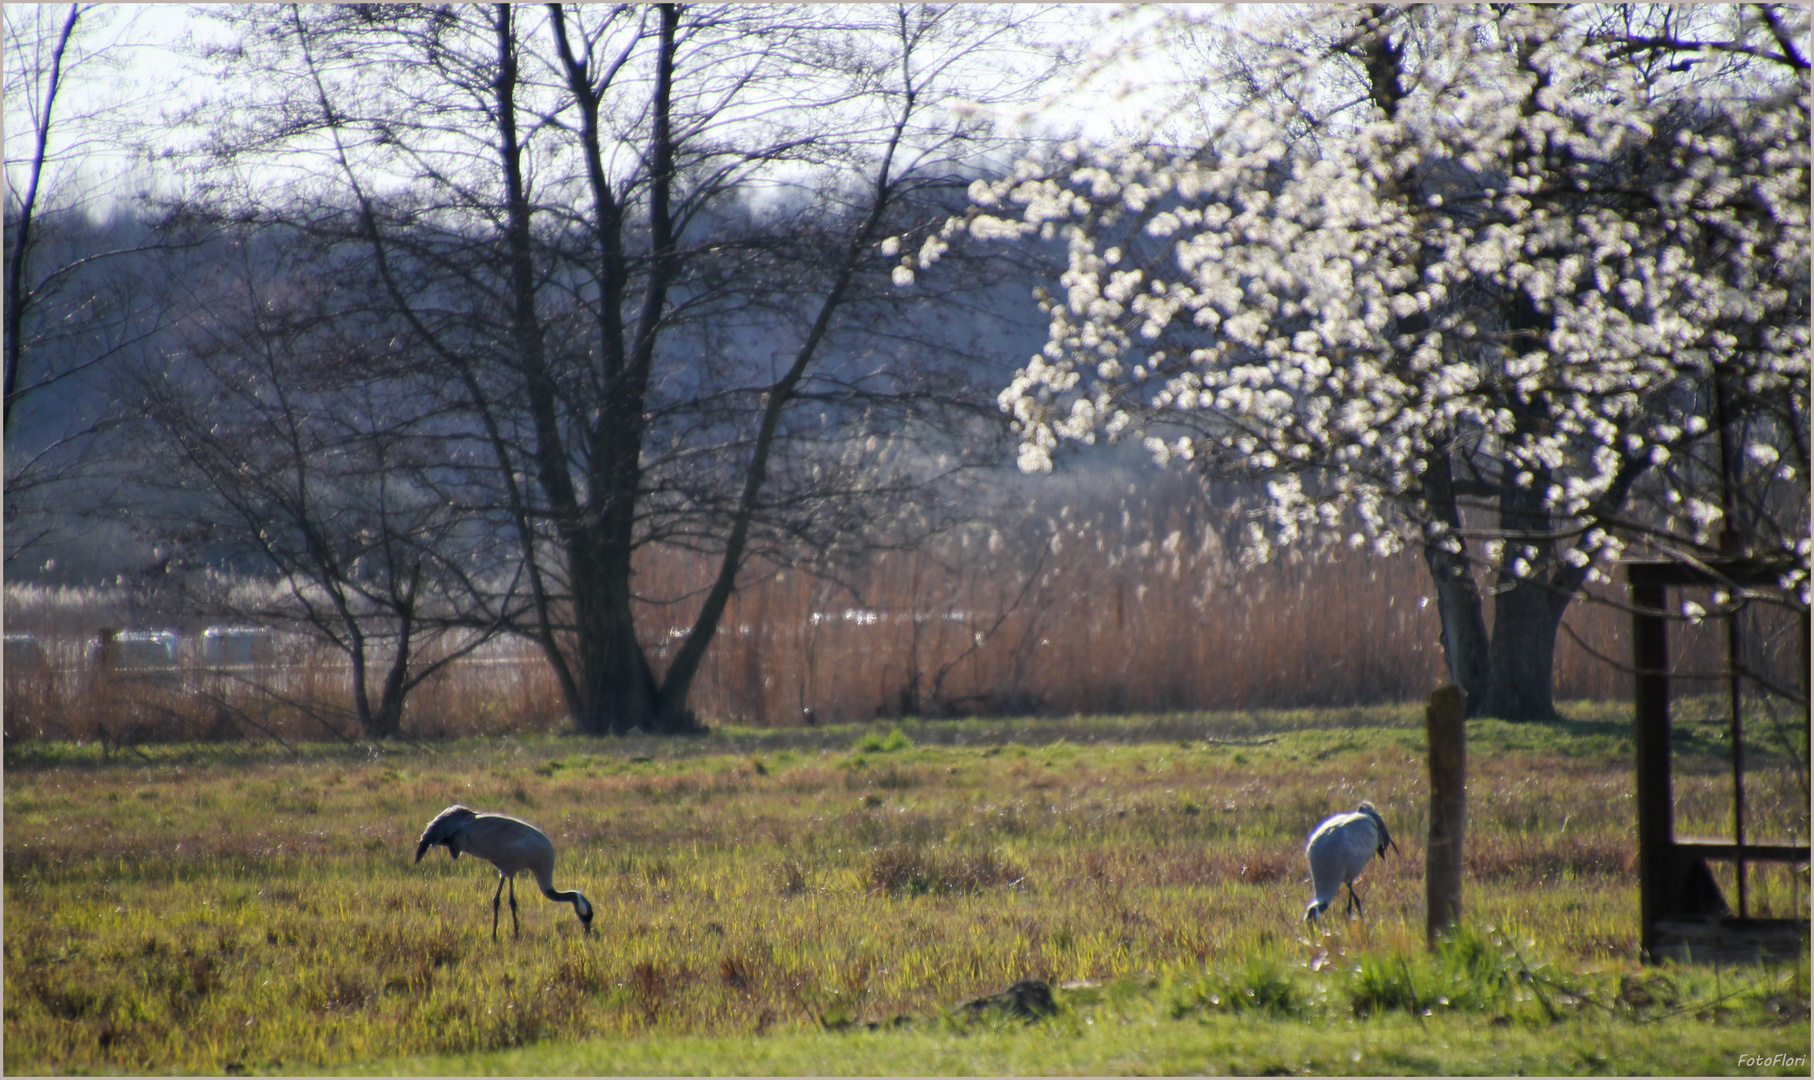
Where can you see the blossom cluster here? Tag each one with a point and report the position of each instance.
(1531, 247)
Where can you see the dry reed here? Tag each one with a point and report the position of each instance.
(1132, 607)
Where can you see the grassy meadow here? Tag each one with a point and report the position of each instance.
(825, 900)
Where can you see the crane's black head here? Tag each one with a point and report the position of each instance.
(452, 844)
(583, 908)
(1385, 838)
(445, 829)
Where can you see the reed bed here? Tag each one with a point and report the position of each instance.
(1133, 605)
(1080, 631)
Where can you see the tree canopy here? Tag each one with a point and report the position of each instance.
(1517, 282)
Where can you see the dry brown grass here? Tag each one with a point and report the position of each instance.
(1103, 623)
(912, 870)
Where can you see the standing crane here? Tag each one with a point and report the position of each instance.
(1339, 850)
(510, 845)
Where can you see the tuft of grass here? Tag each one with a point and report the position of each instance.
(874, 743)
(1267, 986)
(912, 870)
(1387, 983)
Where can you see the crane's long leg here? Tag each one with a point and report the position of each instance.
(1354, 901)
(515, 930)
(495, 897)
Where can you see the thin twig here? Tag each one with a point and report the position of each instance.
(242, 716)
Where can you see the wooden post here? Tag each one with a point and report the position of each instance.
(1657, 872)
(1446, 718)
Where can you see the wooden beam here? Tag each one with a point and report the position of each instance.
(1720, 849)
(1446, 718)
(1650, 746)
(1644, 573)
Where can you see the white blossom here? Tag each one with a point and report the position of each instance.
(1342, 308)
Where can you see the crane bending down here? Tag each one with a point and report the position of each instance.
(1339, 850)
(510, 845)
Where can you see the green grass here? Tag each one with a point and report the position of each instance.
(198, 909)
(1092, 1042)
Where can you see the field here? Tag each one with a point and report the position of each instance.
(826, 900)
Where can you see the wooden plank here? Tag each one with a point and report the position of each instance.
(1650, 747)
(1643, 573)
(1730, 941)
(1722, 849)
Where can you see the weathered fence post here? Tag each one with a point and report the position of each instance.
(1446, 719)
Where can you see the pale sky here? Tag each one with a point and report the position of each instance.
(129, 67)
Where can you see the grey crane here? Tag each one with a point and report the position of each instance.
(1339, 850)
(509, 844)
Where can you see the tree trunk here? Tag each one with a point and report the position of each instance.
(387, 722)
(1521, 685)
(384, 720)
(617, 686)
(1464, 639)
(19, 229)
(1526, 608)
(678, 680)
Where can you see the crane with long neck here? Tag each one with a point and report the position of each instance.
(510, 845)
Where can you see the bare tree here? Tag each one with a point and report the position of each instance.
(77, 301)
(643, 243)
(311, 482)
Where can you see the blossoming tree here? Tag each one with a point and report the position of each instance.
(1517, 285)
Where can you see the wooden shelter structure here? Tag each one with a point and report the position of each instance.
(1685, 915)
